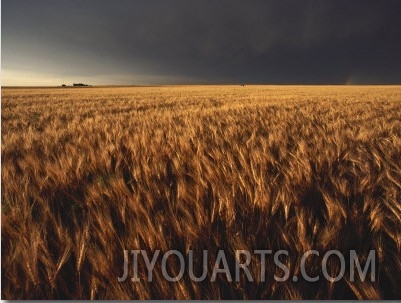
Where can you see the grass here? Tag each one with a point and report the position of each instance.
(89, 172)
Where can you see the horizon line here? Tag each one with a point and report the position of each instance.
(201, 84)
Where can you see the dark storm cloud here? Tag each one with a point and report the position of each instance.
(290, 41)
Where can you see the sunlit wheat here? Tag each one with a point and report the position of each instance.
(89, 172)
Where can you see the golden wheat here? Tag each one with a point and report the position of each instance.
(89, 172)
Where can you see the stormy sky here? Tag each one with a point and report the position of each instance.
(49, 42)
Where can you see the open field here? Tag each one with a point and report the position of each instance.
(89, 172)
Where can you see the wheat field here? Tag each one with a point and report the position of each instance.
(90, 172)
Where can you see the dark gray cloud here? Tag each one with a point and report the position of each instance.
(287, 41)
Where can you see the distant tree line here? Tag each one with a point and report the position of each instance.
(75, 84)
